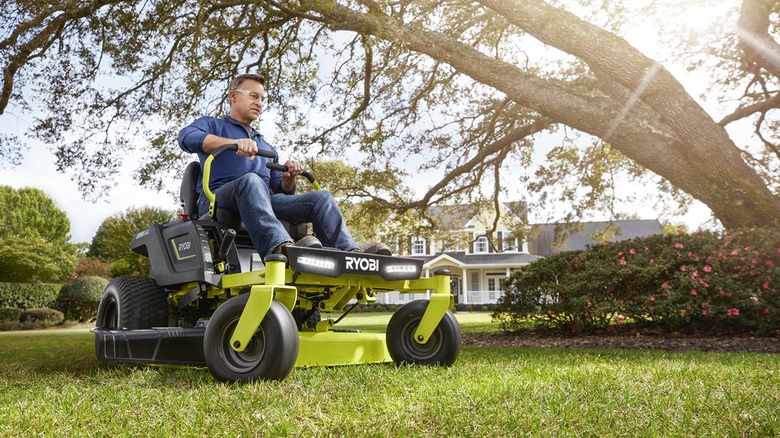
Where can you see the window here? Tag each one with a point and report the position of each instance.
(418, 246)
(474, 281)
(481, 245)
(506, 243)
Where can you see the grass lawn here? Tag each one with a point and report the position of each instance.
(51, 385)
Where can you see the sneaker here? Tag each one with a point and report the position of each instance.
(377, 248)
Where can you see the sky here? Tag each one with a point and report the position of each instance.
(38, 170)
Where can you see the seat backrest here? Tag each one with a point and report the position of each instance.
(188, 193)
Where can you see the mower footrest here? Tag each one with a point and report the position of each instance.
(167, 345)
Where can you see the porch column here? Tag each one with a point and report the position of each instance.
(465, 285)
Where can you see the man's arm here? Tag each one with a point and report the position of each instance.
(246, 146)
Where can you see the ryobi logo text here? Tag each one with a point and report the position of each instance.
(362, 264)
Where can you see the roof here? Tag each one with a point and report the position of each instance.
(583, 236)
(503, 259)
(456, 217)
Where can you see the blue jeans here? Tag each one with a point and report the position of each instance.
(259, 210)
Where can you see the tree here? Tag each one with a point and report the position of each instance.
(448, 83)
(31, 259)
(34, 237)
(113, 237)
(29, 212)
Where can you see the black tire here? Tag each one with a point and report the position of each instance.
(271, 354)
(442, 348)
(132, 303)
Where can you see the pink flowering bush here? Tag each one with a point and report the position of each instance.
(700, 283)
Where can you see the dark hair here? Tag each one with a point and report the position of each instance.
(238, 80)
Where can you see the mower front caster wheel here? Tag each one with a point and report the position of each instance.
(442, 348)
(271, 353)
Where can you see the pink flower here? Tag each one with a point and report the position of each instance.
(693, 292)
(679, 245)
(666, 284)
(765, 286)
(632, 251)
(707, 268)
(704, 312)
(549, 312)
(766, 311)
(733, 312)
(620, 319)
(623, 261)
(735, 252)
(695, 274)
(683, 268)
(652, 298)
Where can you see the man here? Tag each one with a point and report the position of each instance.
(241, 182)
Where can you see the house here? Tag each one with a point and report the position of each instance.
(479, 260)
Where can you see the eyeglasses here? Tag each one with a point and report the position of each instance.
(263, 98)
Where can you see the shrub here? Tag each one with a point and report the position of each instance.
(9, 318)
(93, 267)
(40, 318)
(28, 295)
(79, 300)
(701, 282)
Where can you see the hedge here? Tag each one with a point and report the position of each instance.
(703, 282)
(28, 295)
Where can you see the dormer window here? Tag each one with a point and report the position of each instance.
(418, 246)
(481, 245)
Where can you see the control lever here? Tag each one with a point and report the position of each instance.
(227, 241)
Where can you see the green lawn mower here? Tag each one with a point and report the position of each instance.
(210, 301)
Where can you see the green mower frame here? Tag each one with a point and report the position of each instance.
(209, 301)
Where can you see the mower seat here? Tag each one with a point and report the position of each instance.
(189, 202)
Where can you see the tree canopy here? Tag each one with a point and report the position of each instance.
(112, 240)
(29, 212)
(33, 237)
(467, 88)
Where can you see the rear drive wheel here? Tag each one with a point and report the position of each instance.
(442, 348)
(132, 303)
(271, 353)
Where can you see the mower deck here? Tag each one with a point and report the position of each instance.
(184, 347)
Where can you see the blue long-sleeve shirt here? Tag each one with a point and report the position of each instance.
(229, 166)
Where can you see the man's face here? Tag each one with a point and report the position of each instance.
(246, 102)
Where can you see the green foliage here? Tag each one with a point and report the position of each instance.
(701, 282)
(28, 259)
(26, 296)
(29, 212)
(79, 300)
(9, 318)
(112, 239)
(39, 318)
(33, 237)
